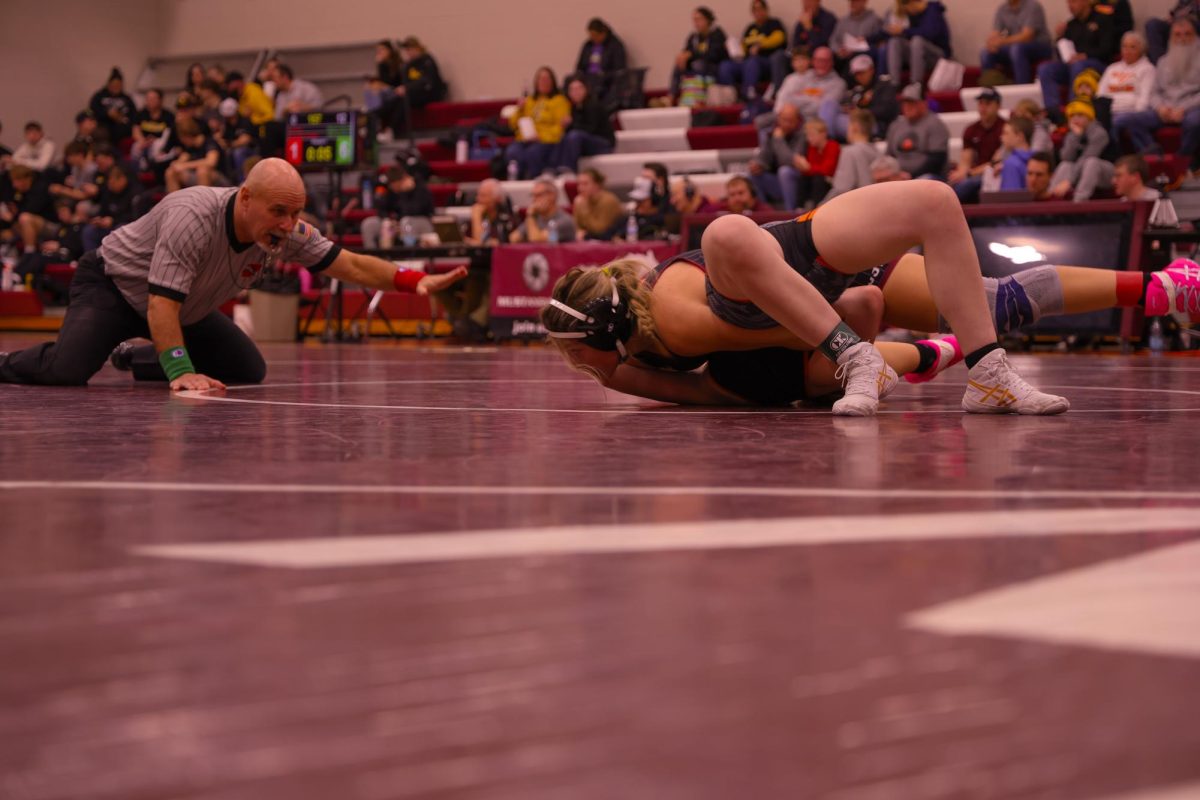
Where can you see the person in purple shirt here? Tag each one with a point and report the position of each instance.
(1015, 139)
(601, 57)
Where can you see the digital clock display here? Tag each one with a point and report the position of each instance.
(321, 139)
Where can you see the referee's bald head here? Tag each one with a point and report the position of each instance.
(269, 202)
(274, 175)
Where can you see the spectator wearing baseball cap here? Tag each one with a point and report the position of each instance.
(981, 141)
(920, 141)
(869, 91)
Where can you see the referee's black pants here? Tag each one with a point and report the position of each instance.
(99, 318)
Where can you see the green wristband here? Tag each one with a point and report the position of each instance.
(175, 362)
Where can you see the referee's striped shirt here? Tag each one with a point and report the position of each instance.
(185, 249)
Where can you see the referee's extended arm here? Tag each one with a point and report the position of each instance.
(376, 273)
(162, 314)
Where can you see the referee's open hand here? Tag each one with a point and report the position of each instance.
(435, 283)
(196, 383)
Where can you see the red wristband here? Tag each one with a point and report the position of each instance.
(406, 280)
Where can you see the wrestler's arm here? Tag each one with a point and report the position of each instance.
(685, 388)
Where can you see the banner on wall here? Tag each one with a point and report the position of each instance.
(523, 276)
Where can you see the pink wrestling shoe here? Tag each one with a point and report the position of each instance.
(1174, 289)
(949, 354)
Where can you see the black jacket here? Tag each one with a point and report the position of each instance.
(592, 118)
(423, 81)
(707, 51)
(612, 56)
(1096, 36)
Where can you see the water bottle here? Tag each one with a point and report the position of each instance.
(631, 228)
(461, 151)
(552, 232)
(368, 194)
(485, 229)
(514, 170)
(1157, 340)
(408, 234)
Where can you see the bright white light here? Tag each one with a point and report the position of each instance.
(1025, 254)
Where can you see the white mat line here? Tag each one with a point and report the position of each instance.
(598, 491)
(348, 551)
(1149, 602)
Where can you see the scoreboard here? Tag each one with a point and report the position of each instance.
(321, 139)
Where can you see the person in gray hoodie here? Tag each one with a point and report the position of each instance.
(1083, 167)
(920, 141)
(854, 165)
(772, 169)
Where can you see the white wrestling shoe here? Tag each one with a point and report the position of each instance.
(993, 387)
(866, 378)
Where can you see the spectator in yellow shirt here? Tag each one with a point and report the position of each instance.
(253, 102)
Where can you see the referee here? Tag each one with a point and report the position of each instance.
(166, 275)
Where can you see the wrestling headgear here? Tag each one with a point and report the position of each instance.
(603, 323)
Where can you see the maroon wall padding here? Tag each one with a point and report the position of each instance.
(720, 137)
(447, 115)
(20, 304)
(461, 173)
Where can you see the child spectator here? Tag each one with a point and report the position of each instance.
(854, 163)
(817, 165)
(1083, 164)
(1092, 42)
(1043, 140)
(1015, 139)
